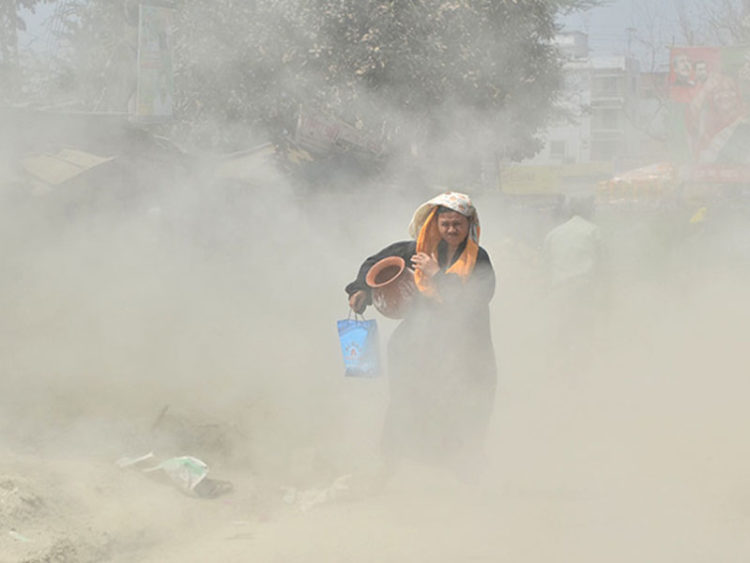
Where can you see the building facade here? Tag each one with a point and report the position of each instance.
(598, 128)
(600, 108)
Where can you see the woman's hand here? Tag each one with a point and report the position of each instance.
(358, 301)
(425, 263)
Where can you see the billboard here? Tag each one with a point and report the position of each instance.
(154, 95)
(709, 99)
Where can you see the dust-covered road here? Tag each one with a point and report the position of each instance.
(638, 453)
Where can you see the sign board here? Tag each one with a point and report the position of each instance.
(529, 179)
(708, 114)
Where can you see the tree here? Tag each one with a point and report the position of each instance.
(10, 23)
(421, 62)
(432, 69)
(717, 22)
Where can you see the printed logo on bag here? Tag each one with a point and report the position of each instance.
(353, 352)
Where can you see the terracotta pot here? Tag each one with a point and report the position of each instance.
(392, 286)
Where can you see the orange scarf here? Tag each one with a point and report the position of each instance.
(427, 242)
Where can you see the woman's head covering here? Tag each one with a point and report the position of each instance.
(424, 228)
(454, 201)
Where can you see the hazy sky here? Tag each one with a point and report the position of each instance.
(607, 25)
(610, 25)
(37, 35)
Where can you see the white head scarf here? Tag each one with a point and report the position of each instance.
(455, 201)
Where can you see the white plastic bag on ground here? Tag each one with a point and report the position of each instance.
(185, 471)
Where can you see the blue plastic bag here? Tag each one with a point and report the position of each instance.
(360, 347)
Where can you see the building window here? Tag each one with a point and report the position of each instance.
(604, 150)
(557, 149)
(606, 118)
(606, 87)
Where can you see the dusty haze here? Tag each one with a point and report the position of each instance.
(201, 320)
(226, 313)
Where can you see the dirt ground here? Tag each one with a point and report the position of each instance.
(123, 338)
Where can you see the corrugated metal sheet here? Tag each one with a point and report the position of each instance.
(56, 169)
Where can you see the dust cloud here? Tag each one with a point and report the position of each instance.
(199, 319)
(222, 310)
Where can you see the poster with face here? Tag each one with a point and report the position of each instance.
(709, 94)
(689, 69)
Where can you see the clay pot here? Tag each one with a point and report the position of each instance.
(392, 286)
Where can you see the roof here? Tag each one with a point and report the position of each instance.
(56, 169)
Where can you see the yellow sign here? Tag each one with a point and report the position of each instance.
(530, 179)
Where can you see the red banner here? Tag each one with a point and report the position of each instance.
(689, 70)
(709, 91)
(715, 174)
